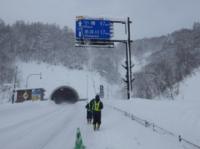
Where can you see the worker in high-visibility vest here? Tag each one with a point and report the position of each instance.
(96, 108)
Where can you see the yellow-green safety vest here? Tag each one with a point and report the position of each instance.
(97, 106)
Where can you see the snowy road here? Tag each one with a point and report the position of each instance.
(44, 125)
(36, 128)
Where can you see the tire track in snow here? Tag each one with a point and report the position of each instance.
(66, 136)
(62, 128)
(14, 136)
(27, 121)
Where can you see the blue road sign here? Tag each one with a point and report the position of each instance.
(93, 29)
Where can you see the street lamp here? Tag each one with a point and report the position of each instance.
(27, 78)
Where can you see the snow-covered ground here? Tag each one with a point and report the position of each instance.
(53, 76)
(45, 125)
(189, 88)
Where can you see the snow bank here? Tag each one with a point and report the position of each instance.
(189, 88)
(179, 116)
(86, 83)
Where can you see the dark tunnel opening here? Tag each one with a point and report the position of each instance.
(64, 94)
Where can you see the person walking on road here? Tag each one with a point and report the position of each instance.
(97, 106)
(89, 112)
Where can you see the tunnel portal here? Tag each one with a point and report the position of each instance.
(64, 94)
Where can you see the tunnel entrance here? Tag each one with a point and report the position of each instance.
(64, 94)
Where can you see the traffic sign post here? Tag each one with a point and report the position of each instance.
(101, 91)
(98, 32)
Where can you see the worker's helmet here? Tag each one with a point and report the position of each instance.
(97, 97)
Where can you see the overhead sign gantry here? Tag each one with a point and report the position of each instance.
(98, 32)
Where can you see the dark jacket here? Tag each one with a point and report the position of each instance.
(90, 105)
(97, 111)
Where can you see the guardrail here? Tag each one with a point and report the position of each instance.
(155, 127)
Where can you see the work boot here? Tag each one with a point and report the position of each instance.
(94, 127)
(98, 126)
(88, 121)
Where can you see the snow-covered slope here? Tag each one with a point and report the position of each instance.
(86, 83)
(189, 88)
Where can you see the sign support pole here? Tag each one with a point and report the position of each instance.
(129, 59)
(127, 71)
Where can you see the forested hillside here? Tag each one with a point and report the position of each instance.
(50, 44)
(168, 59)
(171, 58)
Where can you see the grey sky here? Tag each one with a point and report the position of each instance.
(150, 17)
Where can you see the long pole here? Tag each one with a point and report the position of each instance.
(129, 48)
(127, 71)
(87, 87)
(14, 86)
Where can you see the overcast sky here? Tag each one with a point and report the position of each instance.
(150, 17)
